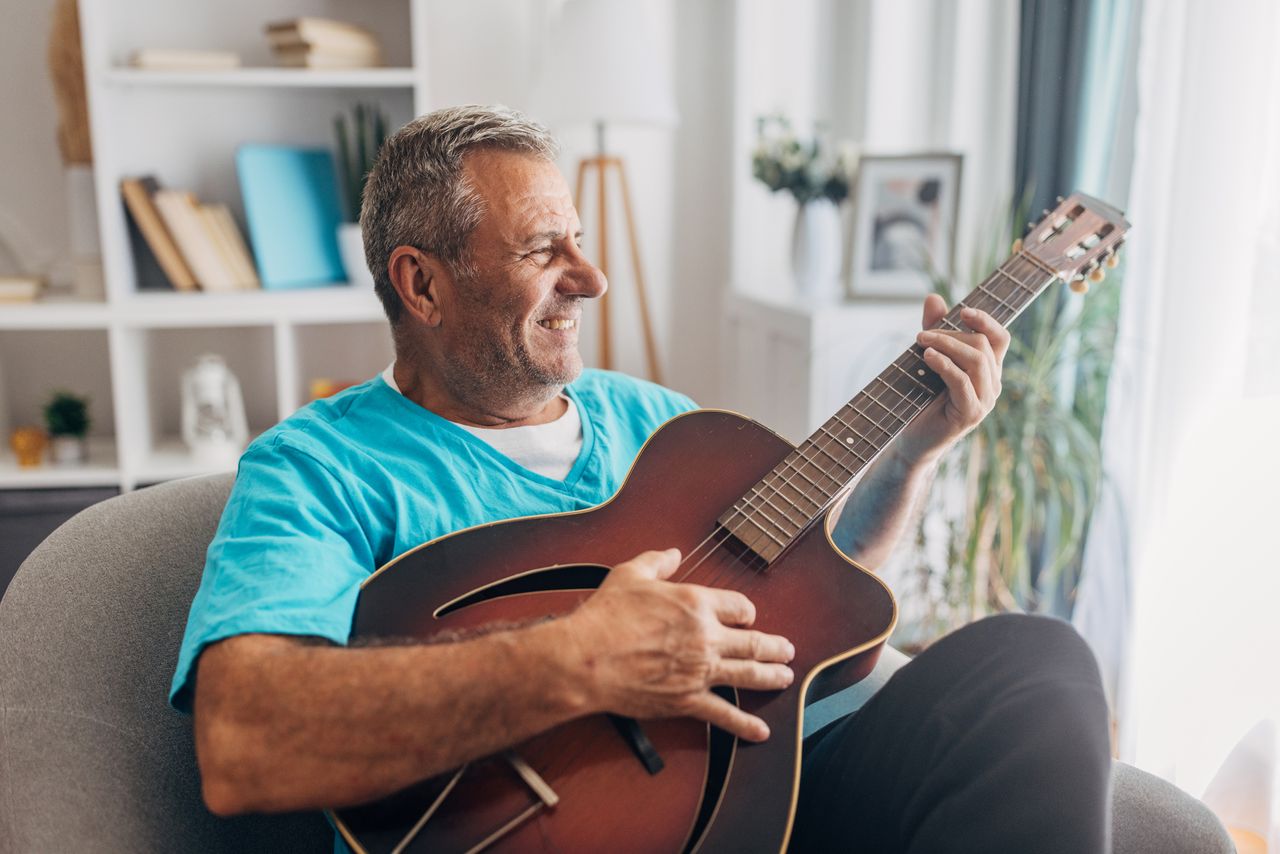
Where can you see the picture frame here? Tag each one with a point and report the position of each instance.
(904, 224)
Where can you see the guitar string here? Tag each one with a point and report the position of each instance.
(769, 482)
(721, 536)
(980, 295)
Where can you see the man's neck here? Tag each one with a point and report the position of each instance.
(426, 390)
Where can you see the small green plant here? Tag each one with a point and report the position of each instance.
(67, 414)
(808, 169)
(359, 142)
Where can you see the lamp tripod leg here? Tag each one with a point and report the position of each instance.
(650, 348)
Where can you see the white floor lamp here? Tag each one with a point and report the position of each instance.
(601, 69)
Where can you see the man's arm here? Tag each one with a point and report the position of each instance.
(877, 512)
(872, 520)
(286, 724)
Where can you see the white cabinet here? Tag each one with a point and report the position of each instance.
(790, 365)
(128, 352)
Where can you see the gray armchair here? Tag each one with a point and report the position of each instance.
(93, 759)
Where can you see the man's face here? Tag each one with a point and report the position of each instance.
(512, 328)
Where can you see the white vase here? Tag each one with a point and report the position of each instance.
(351, 249)
(815, 251)
(86, 251)
(68, 450)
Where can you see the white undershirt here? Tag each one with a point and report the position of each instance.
(549, 449)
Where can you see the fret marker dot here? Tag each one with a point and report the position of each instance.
(919, 372)
(849, 439)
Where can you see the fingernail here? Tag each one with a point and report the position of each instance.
(791, 676)
(762, 731)
(791, 651)
(924, 336)
(969, 311)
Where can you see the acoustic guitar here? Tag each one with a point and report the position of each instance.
(749, 512)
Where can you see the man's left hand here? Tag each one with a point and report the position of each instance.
(969, 363)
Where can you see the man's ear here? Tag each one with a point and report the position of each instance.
(420, 280)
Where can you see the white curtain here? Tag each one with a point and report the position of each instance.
(1191, 428)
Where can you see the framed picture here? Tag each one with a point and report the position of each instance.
(904, 224)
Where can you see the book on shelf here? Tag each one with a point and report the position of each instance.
(204, 249)
(230, 244)
(15, 288)
(139, 202)
(309, 57)
(323, 43)
(181, 59)
(291, 205)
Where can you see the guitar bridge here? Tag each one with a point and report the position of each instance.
(546, 799)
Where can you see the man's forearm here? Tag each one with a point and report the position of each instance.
(874, 517)
(284, 725)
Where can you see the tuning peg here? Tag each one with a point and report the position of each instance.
(1113, 260)
(1044, 213)
(1017, 246)
(1061, 199)
(1079, 286)
(1030, 225)
(1097, 274)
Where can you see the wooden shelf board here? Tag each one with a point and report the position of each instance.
(169, 459)
(267, 78)
(100, 470)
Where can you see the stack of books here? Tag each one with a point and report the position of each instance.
(198, 246)
(323, 43)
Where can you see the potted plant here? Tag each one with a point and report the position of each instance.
(817, 174)
(359, 142)
(1005, 526)
(66, 416)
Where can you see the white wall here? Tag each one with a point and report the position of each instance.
(704, 224)
(33, 207)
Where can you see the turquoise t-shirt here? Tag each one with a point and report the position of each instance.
(346, 484)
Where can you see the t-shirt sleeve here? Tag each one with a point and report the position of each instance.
(288, 558)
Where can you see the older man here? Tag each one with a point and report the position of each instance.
(994, 740)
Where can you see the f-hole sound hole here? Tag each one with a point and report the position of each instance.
(720, 753)
(577, 577)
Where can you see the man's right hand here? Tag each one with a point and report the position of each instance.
(654, 648)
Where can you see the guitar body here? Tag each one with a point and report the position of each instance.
(713, 793)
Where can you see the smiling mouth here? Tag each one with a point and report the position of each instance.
(558, 324)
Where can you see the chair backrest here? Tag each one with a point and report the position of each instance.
(92, 758)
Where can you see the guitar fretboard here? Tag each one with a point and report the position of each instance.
(799, 490)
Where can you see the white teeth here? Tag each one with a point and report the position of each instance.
(558, 324)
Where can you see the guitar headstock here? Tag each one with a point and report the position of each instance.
(1076, 239)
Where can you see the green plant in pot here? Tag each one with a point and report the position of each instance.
(359, 139)
(66, 416)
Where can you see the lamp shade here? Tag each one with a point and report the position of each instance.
(604, 62)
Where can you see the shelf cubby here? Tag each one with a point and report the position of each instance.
(34, 362)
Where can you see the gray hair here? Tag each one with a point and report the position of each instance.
(417, 194)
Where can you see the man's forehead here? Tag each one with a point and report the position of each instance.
(523, 191)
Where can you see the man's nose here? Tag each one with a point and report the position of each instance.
(584, 279)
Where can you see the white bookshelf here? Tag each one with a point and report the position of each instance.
(128, 351)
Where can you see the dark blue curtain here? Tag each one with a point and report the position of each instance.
(1052, 45)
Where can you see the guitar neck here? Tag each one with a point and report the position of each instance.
(1068, 244)
(801, 488)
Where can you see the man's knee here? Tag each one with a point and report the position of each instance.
(1022, 645)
